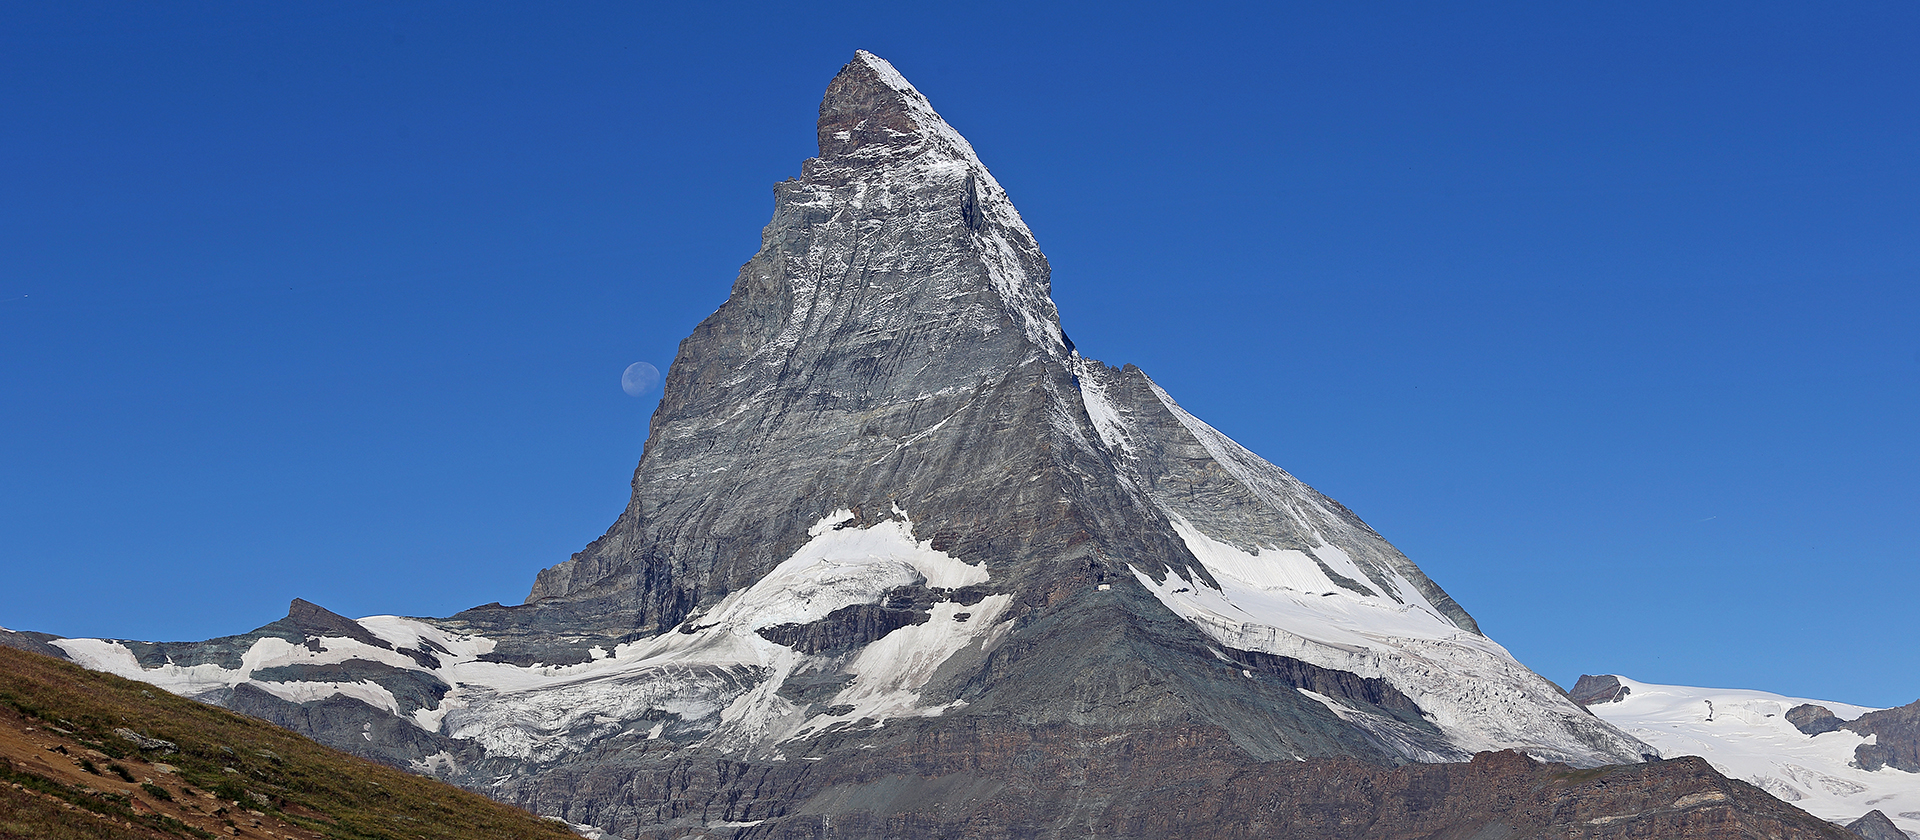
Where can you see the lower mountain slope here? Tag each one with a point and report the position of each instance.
(85, 754)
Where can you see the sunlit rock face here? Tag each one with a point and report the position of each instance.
(898, 556)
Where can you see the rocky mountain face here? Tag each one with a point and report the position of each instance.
(899, 561)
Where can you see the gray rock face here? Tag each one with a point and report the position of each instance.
(1897, 738)
(32, 642)
(1812, 719)
(892, 344)
(892, 532)
(1875, 826)
(1604, 688)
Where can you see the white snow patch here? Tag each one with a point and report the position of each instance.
(438, 764)
(1106, 418)
(840, 568)
(890, 672)
(590, 832)
(364, 691)
(1268, 569)
(194, 680)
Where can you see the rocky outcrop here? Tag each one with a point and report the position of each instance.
(1875, 826)
(31, 642)
(843, 629)
(1897, 738)
(1054, 782)
(1813, 719)
(345, 724)
(1604, 688)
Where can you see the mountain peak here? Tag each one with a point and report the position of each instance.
(871, 111)
(885, 511)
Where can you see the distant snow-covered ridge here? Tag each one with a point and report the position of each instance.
(1745, 735)
(720, 679)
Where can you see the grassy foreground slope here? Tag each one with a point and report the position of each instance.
(90, 755)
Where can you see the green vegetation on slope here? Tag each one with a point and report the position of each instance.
(248, 764)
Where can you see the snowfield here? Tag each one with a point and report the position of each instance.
(722, 680)
(1745, 735)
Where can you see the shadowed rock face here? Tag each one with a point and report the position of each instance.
(1875, 826)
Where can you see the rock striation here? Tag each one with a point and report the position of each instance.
(900, 561)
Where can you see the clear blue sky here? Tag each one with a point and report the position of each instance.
(1606, 314)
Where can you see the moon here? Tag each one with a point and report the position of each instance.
(639, 378)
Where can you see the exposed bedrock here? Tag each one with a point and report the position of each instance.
(346, 724)
(1812, 719)
(990, 780)
(1591, 689)
(1876, 826)
(32, 642)
(1897, 738)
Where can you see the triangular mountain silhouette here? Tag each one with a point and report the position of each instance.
(899, 561)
